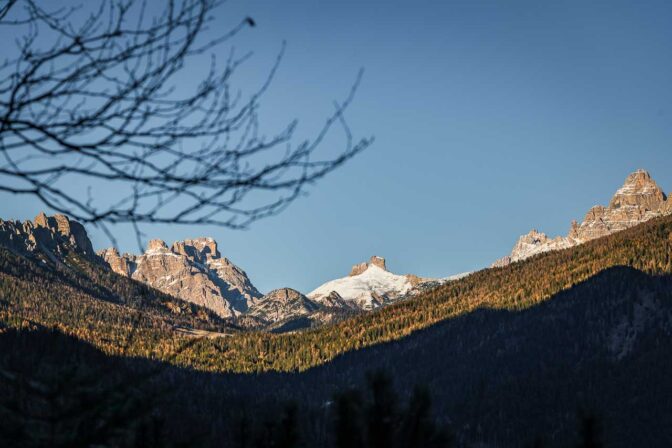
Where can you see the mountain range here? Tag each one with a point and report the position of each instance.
(195, 271)
(192, 270)
(511, 354)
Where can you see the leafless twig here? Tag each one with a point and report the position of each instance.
(89, 102)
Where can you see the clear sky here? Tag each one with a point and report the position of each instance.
(490, 118)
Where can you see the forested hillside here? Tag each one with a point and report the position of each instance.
(598, 350)
(86, 300)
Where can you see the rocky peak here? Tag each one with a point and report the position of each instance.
(72, 231)
(373, 261)
(533, 237)
(121, 264)
(207, 247)
(156, 246)
(41, 220)
(637, 201)
(53, 236)
(530, 244)
(192, 270)
(378, 261)
(284, 295)
(639, 189)
(574, 229)
(334, 300)
(281, 304)
(199, 249)
(368, 285)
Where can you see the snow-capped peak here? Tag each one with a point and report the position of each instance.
(368, 289)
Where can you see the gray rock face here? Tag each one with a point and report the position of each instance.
(639, 190)
(334, 300)
(282, 304)
(54, 236)
(638, 200)
(192, 270)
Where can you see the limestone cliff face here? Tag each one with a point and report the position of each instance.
(533, 243)
(53, 236)
(638, 200)
(373, 261)
(192, 270)
(124, 265)
(667, 207)
(639, 190)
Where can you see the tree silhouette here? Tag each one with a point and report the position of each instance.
(380, 422)
(590, 433)
(349, 420)
(418, 426)
(382, 413)
(89, 102)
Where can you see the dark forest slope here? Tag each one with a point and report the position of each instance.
(501, 377)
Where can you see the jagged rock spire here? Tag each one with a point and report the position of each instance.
(373, 261)
(53, 236)
(641, 190)
(192, 270)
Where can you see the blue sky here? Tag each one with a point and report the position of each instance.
(490, 118)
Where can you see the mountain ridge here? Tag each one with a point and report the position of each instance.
(639, 200)
(193, 270)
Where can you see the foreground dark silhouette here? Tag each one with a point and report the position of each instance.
(123, 403)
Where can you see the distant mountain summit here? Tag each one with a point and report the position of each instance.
(51, 236)
(361, 267)
(282, 304)
(193, 270)
(638, 200)
(370, 285)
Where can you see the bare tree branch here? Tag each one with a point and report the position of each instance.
(89, 103)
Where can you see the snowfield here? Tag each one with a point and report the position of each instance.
(361, 288)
